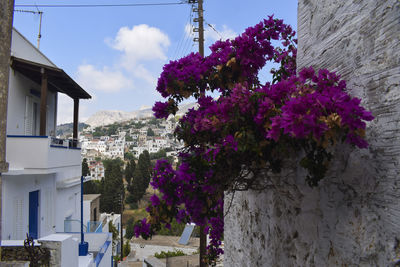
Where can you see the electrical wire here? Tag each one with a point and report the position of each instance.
(183, 39)
(105, 5)
(212, 27)
(188, 37)
(177, 48)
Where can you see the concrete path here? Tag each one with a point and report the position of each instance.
(141, 249)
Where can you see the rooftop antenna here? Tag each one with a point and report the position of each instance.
(40, 29)
(40, 22)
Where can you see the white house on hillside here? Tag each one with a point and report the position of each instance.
(41, 191)
(42, 187)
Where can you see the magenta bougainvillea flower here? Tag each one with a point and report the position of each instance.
(250, 127)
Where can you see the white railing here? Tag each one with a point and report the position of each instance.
(73, 226)
(66, 143)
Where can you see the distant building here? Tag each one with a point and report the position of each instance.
(91, 211)
(96, 169)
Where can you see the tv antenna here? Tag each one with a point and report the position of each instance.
(40, 13)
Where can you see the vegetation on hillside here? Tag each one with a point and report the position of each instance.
(67, 128)
(112, 193)
(139, 178)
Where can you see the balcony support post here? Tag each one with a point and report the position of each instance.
(83, 246)
(76, 119)
(43, 103)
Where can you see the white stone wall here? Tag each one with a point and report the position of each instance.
(63, 248)
(353, 217)
(15, 205)
(68, 206)
(19, 88)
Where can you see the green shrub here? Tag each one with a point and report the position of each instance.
(126, 248)
(168, 254)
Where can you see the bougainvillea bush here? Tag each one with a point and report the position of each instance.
(250, 128)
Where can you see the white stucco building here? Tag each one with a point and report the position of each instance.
(96, 170)
(41, 190)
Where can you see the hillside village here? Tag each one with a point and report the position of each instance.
(125, 140)
(302, 170)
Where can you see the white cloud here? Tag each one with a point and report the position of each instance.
(140, 43)
(189, 29)
(212, 33)
(142, 52)
(65, 109)
(143, 73)
(106, 80)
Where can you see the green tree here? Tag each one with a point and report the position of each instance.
(126, 249)
(128, 138)
(130, 228)
(115, 235)
(113, 187)
(137, 125)
(92, 187)
(136, 188)
(154, 121)
(129, 169)
(128, 156)
(150, 132)
(158, 155)
(140, 178)
(112, 129)
(99, 131)
(144, 164)
(85, 168)
(146, 159)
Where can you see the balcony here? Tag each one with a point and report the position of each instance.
(94, 227)
(40, 154)
(73, 226)
(100, 246)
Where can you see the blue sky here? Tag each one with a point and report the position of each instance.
(117, 53)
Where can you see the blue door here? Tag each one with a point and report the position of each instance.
(34, 214)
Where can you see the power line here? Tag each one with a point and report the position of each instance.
(106, 5)
(188, 36)
(182, 40)
(212, 27)
(177, 48)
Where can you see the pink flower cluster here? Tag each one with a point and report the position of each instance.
(230, 61)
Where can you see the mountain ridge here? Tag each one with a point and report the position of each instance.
(106, 117)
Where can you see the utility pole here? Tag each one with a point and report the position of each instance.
(200, 39)
(6, 19)
(201, 27)
(122, 235)
(203, 236)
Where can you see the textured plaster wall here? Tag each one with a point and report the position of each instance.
(353, 217)
(6, 18)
